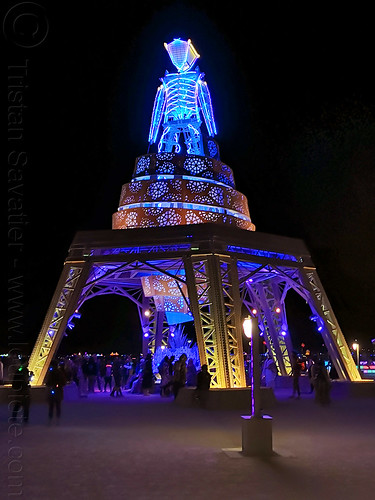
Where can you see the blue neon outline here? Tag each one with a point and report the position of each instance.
(183, 177)
(179, 102)
(187, 206)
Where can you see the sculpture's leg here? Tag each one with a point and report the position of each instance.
(165, 143)
(193, 140)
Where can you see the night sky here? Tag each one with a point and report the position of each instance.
(293, 90)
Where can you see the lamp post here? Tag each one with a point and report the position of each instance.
(255, 368)
(355, 347)
(257, 428)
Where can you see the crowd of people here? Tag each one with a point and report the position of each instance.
(94, 373)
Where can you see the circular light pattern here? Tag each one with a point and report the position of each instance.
(165, 167)
(169, 218)
(157, 190)
(212, 148)
(142, 164)
(195, 165)
(131, 219)
(135, 186)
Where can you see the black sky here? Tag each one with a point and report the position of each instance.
(292, 85)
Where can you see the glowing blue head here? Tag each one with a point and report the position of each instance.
(183, 54)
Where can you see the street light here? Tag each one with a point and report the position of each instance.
(355, 347)
(247, 327)
(257, 428)
(255, 368)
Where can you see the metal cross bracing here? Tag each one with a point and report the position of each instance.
(216, 284)
(331, 332)
(267, 300)
(62, 306)
(215, 304)
(259, 291)
(155, 329)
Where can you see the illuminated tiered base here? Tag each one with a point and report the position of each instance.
(172, 190)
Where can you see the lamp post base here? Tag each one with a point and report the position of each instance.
(257, 436)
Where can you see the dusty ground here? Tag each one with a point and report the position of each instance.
(149, 448)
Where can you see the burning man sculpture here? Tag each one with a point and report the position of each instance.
(180, 100)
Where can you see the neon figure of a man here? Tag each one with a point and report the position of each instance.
(179, 100)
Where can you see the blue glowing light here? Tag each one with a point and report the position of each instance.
(183, 177)
(70, 323)
(187, 206)
(261, 253)
(319, 321)
(182, 54)
(179, 101)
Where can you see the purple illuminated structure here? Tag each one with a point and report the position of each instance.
(183, 248)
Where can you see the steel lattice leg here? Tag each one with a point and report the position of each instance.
(216, 307)
(63, 304)
(331, 333)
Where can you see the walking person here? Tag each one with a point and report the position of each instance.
(310, 369)
(116, 370)
(269, 372)
(55, 382)
(21, 387)
(101, 373)
(148, 375)
(82, 377)
(165, 382)
(92, 372)
(322, 383)
(296, 373)
(126, 367)
(179, 374)
(108, 377)
(75, 371)
(191, 374)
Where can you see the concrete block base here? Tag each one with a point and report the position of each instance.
(257, 436)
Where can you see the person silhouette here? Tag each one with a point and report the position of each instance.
(296, 373)
(55, 382)
(21, 387)
(203, 385)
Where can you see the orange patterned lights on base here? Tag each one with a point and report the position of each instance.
(172, 190)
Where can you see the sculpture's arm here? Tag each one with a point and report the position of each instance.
(204, 99)
(157, 114)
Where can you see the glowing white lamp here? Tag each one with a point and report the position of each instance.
(247, 327)
(355, 347)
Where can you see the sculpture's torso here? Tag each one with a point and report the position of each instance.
(181, 96)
